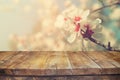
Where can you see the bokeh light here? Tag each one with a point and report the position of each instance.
(35, 25)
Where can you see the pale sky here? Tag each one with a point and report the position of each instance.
(15, 17)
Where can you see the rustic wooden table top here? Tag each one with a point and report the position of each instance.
(59, 63)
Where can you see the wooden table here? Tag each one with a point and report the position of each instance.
(60, 65)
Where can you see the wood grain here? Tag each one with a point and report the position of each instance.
(82, 64)
(64, 78)
(59, 65)
(107, 64)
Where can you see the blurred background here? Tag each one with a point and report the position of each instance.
(29, 24)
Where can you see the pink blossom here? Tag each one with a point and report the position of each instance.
(77, 18)
(77, 27)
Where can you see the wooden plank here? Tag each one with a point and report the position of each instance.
(82, 64)
(14, 60)
(24, 68)
(100, 59)
(106, 66)
(64, 78)
(49, 67)
(114, 55)
(117, 77)
(27, 61)
(113, 58)
(35, 64)
(38, 63)
(62, 62)
(4, 56)
(117, 54)
(54, 63)
(9, 66)
(30, 64)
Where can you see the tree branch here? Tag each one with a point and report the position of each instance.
(108, 47)
(105, 6)
(86, 34)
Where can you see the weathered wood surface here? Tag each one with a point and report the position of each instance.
(63, 78)
(60, 64)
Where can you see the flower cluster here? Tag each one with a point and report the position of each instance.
(77, 23)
